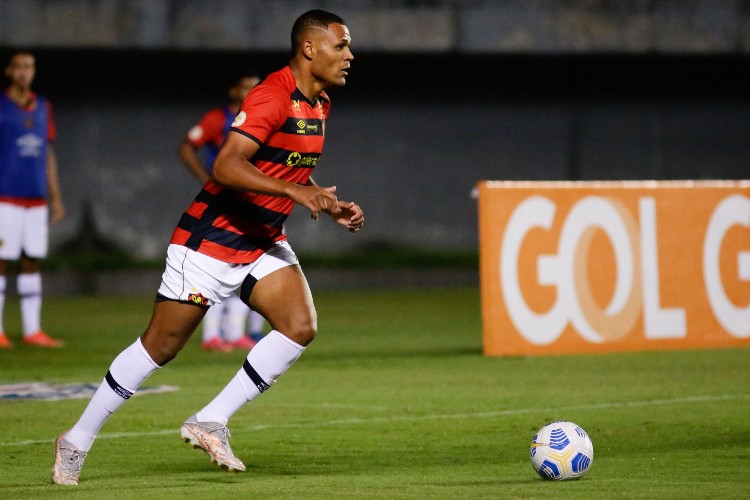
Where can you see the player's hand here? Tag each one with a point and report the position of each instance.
(57, 211)
(349, 215)
(317, 199)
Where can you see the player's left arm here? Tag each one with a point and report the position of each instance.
(347, 213)
(54, 197)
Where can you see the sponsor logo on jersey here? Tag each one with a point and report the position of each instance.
(296, 159)
(295, 104)
(29, 145)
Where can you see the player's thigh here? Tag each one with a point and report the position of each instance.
(11, 231)
(284, 299)
(35, 235)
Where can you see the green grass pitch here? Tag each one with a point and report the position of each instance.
(393, 400)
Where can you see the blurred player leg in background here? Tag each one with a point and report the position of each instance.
(233, 325)
(255, 324)
(211, 339)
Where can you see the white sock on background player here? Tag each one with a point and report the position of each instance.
(29, 286)
(233, 324)
(3, 282)
(212, 322)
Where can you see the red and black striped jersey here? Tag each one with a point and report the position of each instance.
(238, 227)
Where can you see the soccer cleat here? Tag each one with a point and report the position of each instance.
(216, 345)
(213, 438)
(5, 343)
(41, 339)
(244, 343)
(68, 462)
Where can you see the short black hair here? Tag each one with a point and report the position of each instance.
(312, 18)
(239, 75)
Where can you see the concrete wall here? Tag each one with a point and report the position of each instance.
(408, 137)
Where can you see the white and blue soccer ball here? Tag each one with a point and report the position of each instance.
(561, 450)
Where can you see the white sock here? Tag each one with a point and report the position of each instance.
(3, 282)
(212, 322)
(126, 373)
(233, 325)
(29, 287)
(265, 363)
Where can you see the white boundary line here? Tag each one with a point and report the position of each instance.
(446, 416)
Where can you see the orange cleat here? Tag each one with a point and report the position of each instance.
(244, 343)
(4, 342)
(216, 345)
(41, 339)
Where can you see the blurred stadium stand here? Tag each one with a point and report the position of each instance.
(537, 26)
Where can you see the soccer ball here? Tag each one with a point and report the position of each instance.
(561, 450)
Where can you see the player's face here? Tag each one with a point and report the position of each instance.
(21, 70)
(332, 54)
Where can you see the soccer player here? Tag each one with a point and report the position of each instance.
(231, 237)
(29, 193)
(224, 323)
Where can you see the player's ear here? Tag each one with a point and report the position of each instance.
(307, 49)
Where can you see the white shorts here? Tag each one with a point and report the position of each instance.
(193, 277)
(23, 229)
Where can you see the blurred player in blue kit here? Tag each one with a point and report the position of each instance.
(224, 324)
(29, 193)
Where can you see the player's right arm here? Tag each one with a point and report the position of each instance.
(189, 156)
(210, 128)
(234, 170)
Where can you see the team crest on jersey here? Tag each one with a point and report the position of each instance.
(195, 133)
(240, 119)
(295, 104)
(197, 298)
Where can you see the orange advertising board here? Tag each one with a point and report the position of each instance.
(586, 267)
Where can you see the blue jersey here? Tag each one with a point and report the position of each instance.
(23, 148)
(210, 133)
(213, 149)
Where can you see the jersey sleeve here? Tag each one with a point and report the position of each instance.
(51, 129)
(209, 129)
(262, 113)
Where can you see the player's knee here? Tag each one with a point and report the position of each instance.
(302, 329)
(161, 349)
